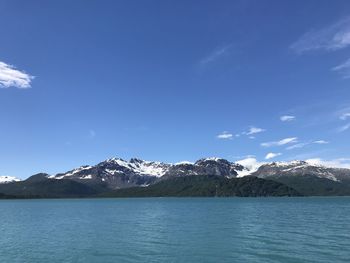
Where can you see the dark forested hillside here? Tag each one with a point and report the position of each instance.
(208, 186)
(40, 186)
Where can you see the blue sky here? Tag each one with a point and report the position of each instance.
(82, 81)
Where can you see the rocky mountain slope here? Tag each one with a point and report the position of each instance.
(301, 168)
(117, 173)
(307, 178)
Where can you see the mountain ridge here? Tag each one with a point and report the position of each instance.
(115, 174)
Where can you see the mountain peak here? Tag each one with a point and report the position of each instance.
(214, 159)
(119, 173)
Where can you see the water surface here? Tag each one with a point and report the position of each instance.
(176, 230)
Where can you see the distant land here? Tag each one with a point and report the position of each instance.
(209, 177)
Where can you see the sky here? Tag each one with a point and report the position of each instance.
(83, 81)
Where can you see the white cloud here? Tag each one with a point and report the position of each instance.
(11, 77)
(343, 69)
(344, 116)
(216, 54)
(330, 38)
(272, 155)
(344, 128)
(296, 146)
(225, 135)
(254, 130)
(287, 118)
(320, 142)
(281, 142)
(303, 144)
(343, 113)
(251, 132)
(337, 163)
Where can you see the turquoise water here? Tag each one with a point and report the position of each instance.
(176, 230)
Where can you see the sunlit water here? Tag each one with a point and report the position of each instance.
(176, 230)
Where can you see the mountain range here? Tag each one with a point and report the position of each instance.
(136, 177)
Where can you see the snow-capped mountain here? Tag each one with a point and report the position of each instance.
(205, 166)
(307, 178)
(118, 173)
(8, 179)
(301, 168)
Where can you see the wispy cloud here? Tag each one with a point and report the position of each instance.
(303, 144)
(343, 69)
(218, 53)
(280, 142)
(12, 77)
(333, 37)
(343, 113)
(251, 132)
(254, 130)
(272, 155)
(297, 146)
(225, 135)
(344, 128)
(320, 142)
(337, 163)
(344, 116)
(287, 118)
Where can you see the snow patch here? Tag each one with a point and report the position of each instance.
(250, 165)
(77, 170)
(184, 162)
(212, 159)
(84, 177)
(142, 167)
(8, 179)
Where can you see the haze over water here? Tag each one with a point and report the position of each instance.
(176, 230)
